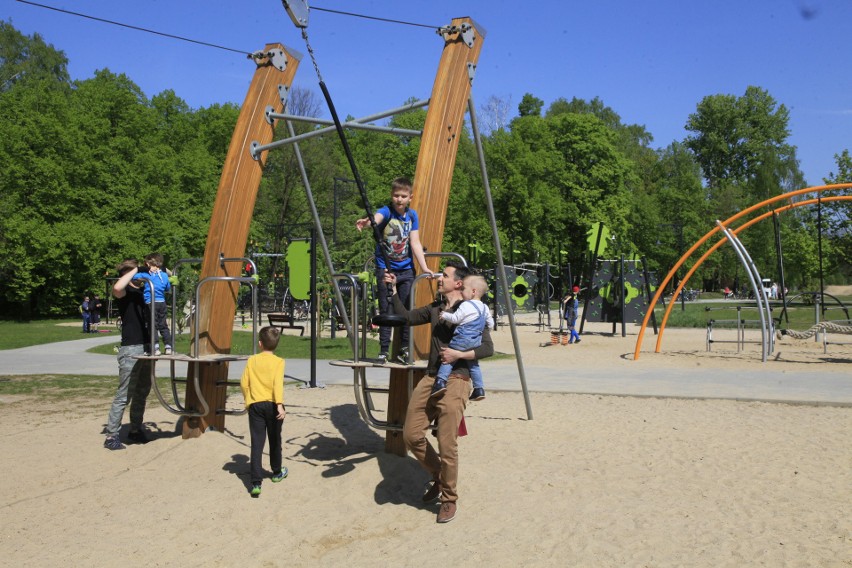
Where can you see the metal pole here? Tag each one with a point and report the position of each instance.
(780, 255)
(499, 252)
(755, 282)
(819, 248)
(338, 297)
(679, 254)
(314, 303)
(621, 296)
(257, 150)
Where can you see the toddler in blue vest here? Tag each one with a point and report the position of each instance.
(470, 317)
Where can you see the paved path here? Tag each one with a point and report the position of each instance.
(817, 386)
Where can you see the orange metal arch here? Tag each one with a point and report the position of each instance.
(721, 242)
(706, 237)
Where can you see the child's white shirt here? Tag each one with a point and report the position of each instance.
(467, 312)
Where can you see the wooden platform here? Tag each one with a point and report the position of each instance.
(370, 363)
(213, 358)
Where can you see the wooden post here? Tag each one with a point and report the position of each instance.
(229, 226)
(432, 180)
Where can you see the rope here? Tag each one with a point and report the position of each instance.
(821, 326)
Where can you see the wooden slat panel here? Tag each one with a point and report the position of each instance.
(229, 226)
(432, 180)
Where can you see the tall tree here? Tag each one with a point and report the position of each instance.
(530, 105)
(741, 141)
(838, 216)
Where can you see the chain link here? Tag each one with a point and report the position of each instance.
(311, 53)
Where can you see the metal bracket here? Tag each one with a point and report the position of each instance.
(278, 59)
(267, 112)
(471, 71)
(298, 11)
(468, 34)
(284, 95)
(255, 155)
(466, 31)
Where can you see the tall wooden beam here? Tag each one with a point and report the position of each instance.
(432, 180)
(229, 226)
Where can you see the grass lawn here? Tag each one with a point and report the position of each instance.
(81, 388)
(800, 317)
(15, 334)
(290, 346)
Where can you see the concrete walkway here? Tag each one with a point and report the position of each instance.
(812, 387)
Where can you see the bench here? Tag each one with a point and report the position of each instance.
(284, 321)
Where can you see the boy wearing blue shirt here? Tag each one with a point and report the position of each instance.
(400, 230)
(160, 279)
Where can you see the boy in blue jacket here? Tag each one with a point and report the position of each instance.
(160, 279)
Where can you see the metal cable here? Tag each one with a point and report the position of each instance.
(317, 8)
(155, 32)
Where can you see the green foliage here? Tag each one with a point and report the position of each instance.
(95, 173)
(530, 106)
(289, 346)
(838, 218)
(741, 142)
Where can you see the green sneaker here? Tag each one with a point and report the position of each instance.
(255, 491)
(280, 475)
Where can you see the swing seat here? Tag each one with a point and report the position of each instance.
(390, 320)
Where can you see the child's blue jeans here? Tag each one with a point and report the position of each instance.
(461, 343)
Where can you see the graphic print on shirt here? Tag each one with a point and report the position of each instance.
(396, 237)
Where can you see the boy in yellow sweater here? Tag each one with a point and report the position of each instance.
(262, 384)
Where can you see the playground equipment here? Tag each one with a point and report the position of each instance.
(196, 360)
(790, 196)
(216, 303)
(820, 330)
(433, 173)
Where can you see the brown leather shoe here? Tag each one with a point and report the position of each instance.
(433, 492)
(447, 512)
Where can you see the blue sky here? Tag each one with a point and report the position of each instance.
(651, 62)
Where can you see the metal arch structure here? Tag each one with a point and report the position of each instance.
(786, 196)
(721, 242)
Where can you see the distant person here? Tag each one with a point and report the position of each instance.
(160, 279)
(570, 310)
(134, 375)
(262, 384)
(400, 230)
(470, 320)
(95, 306)
(87, 316)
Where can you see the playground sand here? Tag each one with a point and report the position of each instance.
(591, 481)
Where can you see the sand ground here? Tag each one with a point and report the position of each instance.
(591, 481)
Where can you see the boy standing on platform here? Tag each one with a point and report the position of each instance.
(154, 273)
(400, 230)
(262, 384)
